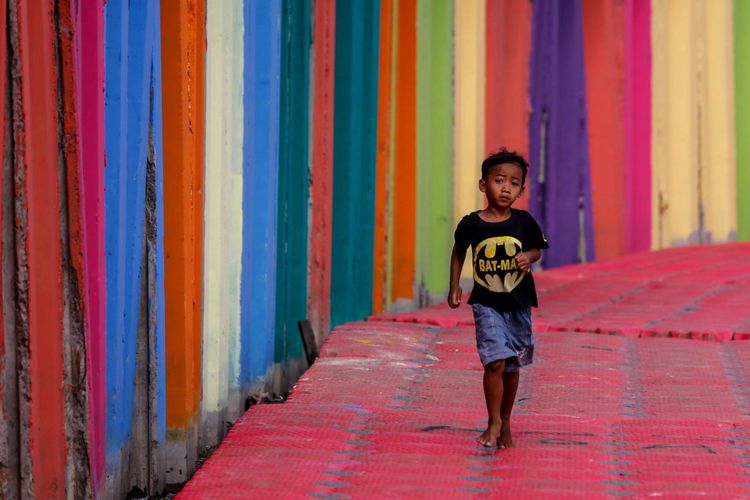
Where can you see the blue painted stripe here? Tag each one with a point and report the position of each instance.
(260, 187)
(128, 45)
(156, 127)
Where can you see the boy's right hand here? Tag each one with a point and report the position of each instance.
(454, 297)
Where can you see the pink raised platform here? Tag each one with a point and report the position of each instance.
(691, 292)
(391, 408)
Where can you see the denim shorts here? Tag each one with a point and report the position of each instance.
(504, 335)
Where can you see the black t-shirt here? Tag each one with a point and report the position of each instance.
(498, 282)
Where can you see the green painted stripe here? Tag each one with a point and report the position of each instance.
(434, 143)
(354, 156)
(291, 278)
(742, 115)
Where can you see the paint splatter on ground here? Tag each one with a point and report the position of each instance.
(391, 408)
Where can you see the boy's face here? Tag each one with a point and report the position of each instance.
(503, 185)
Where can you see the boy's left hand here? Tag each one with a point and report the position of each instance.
(523, 262)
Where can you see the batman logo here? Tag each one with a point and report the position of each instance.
(495, 264)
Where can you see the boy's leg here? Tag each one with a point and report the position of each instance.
(510, 387)
(493, 396)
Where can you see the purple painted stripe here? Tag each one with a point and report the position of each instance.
(558, 133)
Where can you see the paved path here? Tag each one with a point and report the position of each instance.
(393, 405)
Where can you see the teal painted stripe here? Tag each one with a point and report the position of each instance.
(742, 115)
(291, 278)
(355, 133)
(434, 143)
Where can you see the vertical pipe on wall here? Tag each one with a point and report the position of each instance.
(468, 135)
(294, 161)
(183, 59)
(742, 115)
(223, 217)
(355, 125)
(321, 189)
(603, 41)
(434, 146)
(508, 48)
(403, 242)
(637, 124)
(260, 187)
(38, 250)
(383, 159)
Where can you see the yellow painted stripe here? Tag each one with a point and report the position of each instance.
(468, 108)
(675, 134)
(223, 202)
(718, 179)
(693, 138)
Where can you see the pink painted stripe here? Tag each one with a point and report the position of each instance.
(637, 119)
(90, 88)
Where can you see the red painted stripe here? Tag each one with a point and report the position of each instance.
(321, 191)
(603, 28)
(37, 188)
(405, 154)
(508, 34)
(380, 254)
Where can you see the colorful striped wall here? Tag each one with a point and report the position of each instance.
(183, 182)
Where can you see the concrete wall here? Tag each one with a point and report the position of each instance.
(182, 182)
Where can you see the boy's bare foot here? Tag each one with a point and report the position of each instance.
(489, 436)
(505, 440)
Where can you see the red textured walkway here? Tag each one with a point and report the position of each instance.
(392, 407)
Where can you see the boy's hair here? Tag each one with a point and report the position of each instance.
(505, 156)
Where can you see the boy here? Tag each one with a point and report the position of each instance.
(505, 242)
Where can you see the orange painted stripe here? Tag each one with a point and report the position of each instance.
(183, 39)
(405, 153)
(321, 189)
(39, 246)
(603, 31)
(382, 163)
(508, 35)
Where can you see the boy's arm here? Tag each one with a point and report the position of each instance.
(457, 263)
(525, 259)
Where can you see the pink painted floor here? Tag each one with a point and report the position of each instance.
(636, 390)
